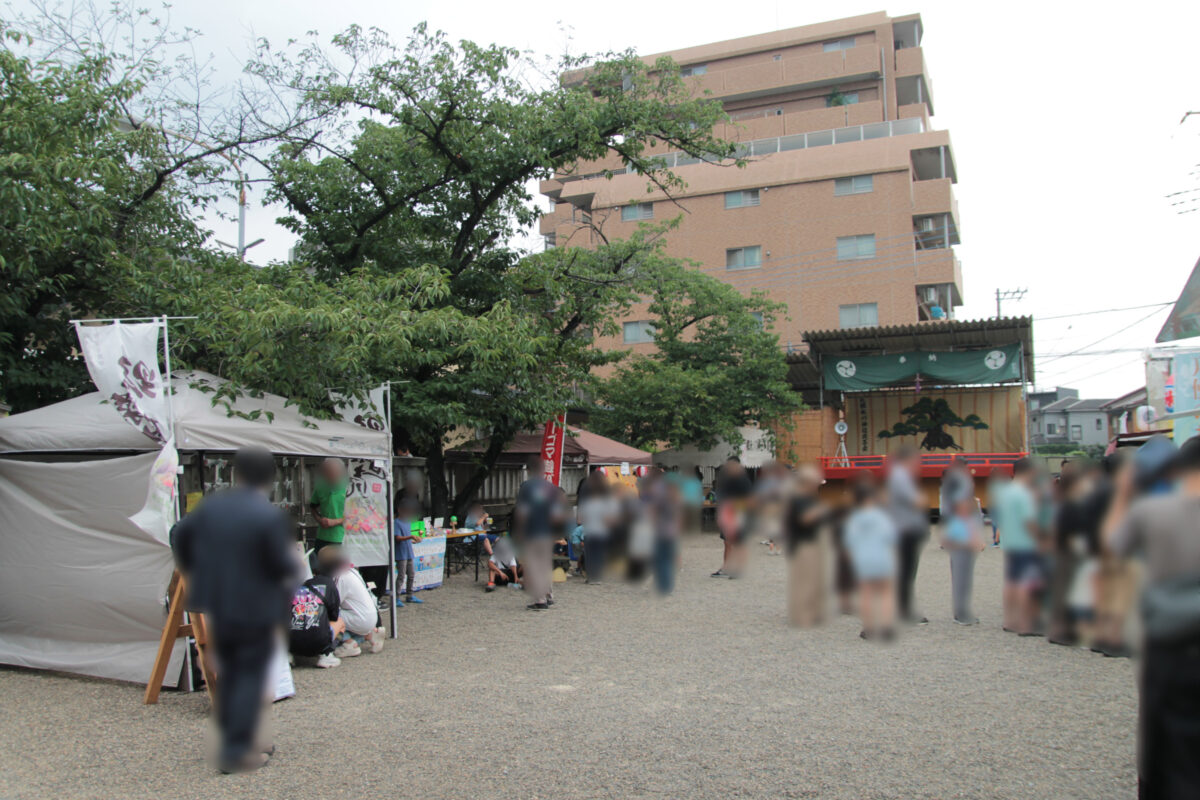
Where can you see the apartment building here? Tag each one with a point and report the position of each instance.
(845, 211)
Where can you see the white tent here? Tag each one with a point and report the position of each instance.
(82, 587)
(87, 424)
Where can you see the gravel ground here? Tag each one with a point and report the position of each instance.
(616, 694)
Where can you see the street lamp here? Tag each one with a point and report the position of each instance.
(129, 124)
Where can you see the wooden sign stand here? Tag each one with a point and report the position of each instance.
(174, 628)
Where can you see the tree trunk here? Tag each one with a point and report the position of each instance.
(439, 491)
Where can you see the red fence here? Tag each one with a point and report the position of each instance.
(932, 465)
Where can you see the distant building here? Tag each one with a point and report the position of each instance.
(1061, 417)
(845, 210)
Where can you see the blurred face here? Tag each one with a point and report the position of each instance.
(332, 470)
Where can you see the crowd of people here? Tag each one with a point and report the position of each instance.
(1068, 542)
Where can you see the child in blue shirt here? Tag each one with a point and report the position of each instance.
(406, 513)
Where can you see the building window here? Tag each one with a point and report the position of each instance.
(856, 248)
(758, 317)
(859, 184)
(841, 99)
(746, 197)
(1051, 429)
(695, 69)
(743, 257)
(839, 44)
(858, 315)
(1099, 424)
(549, 241)
(1076, 433)
(637, 211)
(638, 332)
(777, 57)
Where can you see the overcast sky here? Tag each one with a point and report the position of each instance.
(1064, 119)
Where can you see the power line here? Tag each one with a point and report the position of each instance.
(1103, 311)
(1108, 336)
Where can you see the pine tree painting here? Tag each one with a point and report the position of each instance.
(931, 417)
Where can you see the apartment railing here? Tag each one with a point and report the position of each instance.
(780, 144)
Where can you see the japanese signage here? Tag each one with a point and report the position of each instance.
(366, 542)
(123, 362)
(553, 441)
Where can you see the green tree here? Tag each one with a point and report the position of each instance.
(931, 417)
(424, 160)
(717, 367)
(112, 146)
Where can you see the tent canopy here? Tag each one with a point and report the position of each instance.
(88, 424)
(579, 447)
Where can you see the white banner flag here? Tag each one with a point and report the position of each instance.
(123, 362)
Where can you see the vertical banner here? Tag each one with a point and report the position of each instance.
(368, 528)
(122, 359)
(429, 559)
(553, 440)
(123, 362)
(367, 535)
(1186, 400)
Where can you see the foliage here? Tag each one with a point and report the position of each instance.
(836, 98)
(94, 191)
(717, 367)
(423, 162)
(930, 417)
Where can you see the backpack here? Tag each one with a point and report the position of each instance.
(309, 633)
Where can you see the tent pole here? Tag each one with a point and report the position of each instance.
(393, 583)
(189, 685)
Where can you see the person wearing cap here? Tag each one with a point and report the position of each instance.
(1163, 527)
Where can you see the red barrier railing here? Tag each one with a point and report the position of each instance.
(932, 464)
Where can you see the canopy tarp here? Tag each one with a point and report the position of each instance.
(88, 424)
(81, 587)
(858, 373)
(579, 447)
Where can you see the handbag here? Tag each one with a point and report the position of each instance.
(1171, 610)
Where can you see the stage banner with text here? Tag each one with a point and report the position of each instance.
(429, 557)
(553, 440)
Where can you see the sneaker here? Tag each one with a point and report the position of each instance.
(537, 606)
(718, 574)
(515, 586)
(974, 621)
(375, 640)
(399, 603)
(549, 601)
(328, 661)
(414, 600)
(491, 587)
(347, 649)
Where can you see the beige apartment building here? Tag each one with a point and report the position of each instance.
(846, 210)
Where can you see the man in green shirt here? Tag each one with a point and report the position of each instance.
(328, 503)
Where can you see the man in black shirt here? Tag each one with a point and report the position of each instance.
(237, 553)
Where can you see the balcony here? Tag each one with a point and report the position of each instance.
(933, 163)
(938, 266)
(914, 90)
(910, 61)
(818, 69)
(934, 197)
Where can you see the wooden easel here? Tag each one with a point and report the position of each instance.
(174, 628)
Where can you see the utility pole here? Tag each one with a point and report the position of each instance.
(1007, 294)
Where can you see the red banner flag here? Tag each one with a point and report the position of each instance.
(553, 440)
